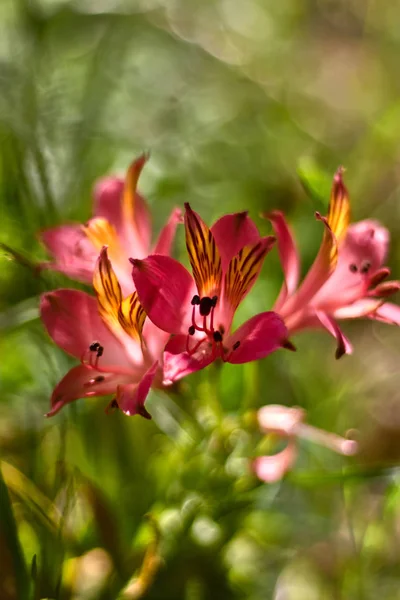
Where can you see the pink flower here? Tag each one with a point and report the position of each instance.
(346, 280)
(117, 354)
(121, 221)
(226, 261)
(288, 423)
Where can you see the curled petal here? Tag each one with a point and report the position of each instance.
(243, 270)
(343, 344)
(132, 396)
(73, 322)
(273, 468)
(129, 193)
(288, 254)
(74, 254)
(165, 289)
(283, 420)
(388, 313)
(178, 363)
(232, 233)
(167, 234)
(203, 254)
(83, 382)
(360, 308)
(259, 336)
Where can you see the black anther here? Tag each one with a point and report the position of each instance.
(365, 267)
(114, 404)
(100, 351)
(217, 336)
(192, 330)
(236, 345)
(353, 268)
(195, 300)
(94, 346)
(206, 304)
(99, 379)
(214, 300)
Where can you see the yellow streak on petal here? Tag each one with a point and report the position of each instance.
(118, 314)
(338, 218)
(129, 194)
(131, 316)
(203, 254)
(243, 271)
(101, 233)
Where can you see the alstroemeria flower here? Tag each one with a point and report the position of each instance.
(288, 423)
(346, 280)
(121, 221)
(226, 261)
(117, 354)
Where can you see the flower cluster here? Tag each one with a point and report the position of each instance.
(152, 322)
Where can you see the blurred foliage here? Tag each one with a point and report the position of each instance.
(243, 104)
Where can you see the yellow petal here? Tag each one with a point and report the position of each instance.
(120, 315)
(203, 254)
(131, 316)
(244, 269)
(108, 291)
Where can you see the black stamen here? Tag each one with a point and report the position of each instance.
(353, 268)
(214, 300)
(195, 300)
(365, 267)
(221, 329)
(94, 346)
(100, 351)
(99, 379)
(114, 404)
(236, 345)
(206, 304)
(217, 336)
(192, 330)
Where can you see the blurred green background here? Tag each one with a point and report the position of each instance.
(243, 104)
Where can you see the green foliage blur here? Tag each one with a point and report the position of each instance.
(243, 104)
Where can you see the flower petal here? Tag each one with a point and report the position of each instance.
(74, 254)
(283, 420)
(343, 344)
(167, 234)
(232, 233)
(360, 308)
(82, 382)
(388, 313)
(125, 317)
(243, 270)
(288, 254)
(129, 193)
(272, 468)
(72, 320)
(339, 208)
(131, 397)
(203, 254)
(178, 363)
(107, 197)
(255, 339)
(165, 289)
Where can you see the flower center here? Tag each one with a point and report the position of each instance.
(203, 322)
(91, 356)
